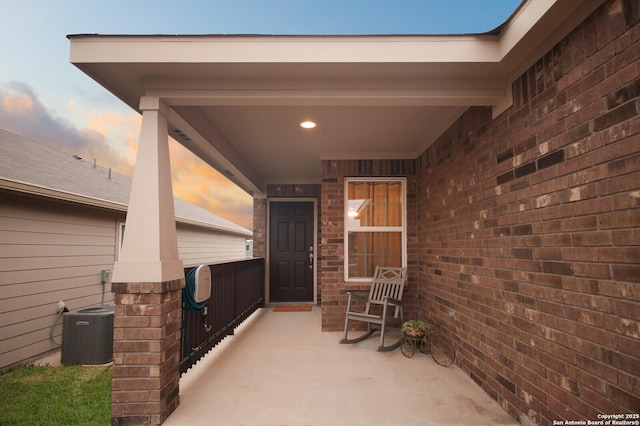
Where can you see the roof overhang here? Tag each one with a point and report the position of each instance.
(40, 191)
(236, 101)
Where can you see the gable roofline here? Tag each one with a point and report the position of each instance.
(31, 175)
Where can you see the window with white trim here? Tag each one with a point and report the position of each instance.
(375, 225)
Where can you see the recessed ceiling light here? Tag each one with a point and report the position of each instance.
(308, 124)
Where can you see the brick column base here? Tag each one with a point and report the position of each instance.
(146, 352)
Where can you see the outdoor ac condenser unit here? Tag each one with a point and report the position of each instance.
(87, 336)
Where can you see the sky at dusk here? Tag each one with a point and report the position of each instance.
(45, 98)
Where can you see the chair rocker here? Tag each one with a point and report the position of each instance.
(385, 295)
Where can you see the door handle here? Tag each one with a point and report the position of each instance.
(310, 260)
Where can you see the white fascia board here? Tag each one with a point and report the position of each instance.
(538, 25)
(284, 49)
(41, 191)
(521, 23)
(220, 228)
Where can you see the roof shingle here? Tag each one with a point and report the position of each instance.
(35, 165)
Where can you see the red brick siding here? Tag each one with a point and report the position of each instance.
(146, 351)
(333, 287)
(260, 227)
(529, 230)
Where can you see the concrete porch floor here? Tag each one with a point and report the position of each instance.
(280, 369)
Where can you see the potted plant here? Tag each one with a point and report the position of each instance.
(415, 329)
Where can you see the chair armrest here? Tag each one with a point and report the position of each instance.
(392, 301)
(357, 296)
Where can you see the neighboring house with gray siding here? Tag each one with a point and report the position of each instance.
(61, 224)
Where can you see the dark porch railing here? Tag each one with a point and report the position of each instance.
(237, 290)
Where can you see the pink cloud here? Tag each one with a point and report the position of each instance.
(200, 184)
(21, 112)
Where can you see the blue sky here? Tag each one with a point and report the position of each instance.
(45, 98)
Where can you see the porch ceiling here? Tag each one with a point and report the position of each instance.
(237, 101)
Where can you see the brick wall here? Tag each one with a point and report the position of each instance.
(260, 227)
(146, 352)
(333, 287)
(529, 230)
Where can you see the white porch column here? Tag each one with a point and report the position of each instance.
(150, 248)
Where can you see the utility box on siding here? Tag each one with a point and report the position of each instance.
(87, 336)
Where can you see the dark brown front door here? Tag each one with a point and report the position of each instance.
(290, 244)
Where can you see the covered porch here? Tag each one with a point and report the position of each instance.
(279, 368)
(514, 158)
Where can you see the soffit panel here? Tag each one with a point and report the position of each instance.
(259, 130)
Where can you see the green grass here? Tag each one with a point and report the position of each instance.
(67, 395)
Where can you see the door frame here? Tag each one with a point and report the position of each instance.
(268, 244)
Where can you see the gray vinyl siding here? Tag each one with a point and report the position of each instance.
(49, 251)
(52, 250)
(197, 246)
